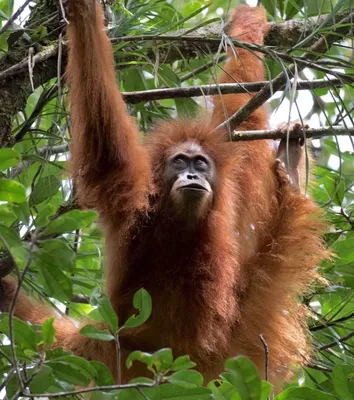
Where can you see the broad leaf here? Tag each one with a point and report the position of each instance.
(48, 332)
(70, 221)
(142, 302)
(12, 191)
(187, 379)
(92, 332)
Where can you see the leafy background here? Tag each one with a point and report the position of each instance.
(65, 266)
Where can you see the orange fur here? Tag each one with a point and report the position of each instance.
(239, 274)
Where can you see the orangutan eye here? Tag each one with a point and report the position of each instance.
(201, 163)
(180, 161)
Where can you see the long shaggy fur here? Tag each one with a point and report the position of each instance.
(216, 288)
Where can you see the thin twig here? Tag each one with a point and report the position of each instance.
(310, 133)
(45, 97)
(280, 80)
(13, 305)
(14, 16)
(59, 64)
(266, 352)
(30, 66)
(326, 324)
(336, 342)
(41, 57)
(3, 354)
(202, 68)
(236, 136)
(80, 299)
(119, 365)
(225, 88)
(45, 151)
(62, 10)
(10, 374)
(92, 389)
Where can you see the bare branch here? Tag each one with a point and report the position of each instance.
(266, 351)
(326, 324)
(45, 151)
(336, 342)
(43, 56)
(92, 389)
(80, 299)
(311, 133)
(319, 47)
(225, 88)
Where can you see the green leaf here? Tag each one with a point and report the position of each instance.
(182, 362)
(99, 395)
(22, 212)
(10, 236)
(42, 380)
(244, 377)
(142, 302)
(162, 359)
(187, 379)
(58, 252)
(142, 379)
(343, 381)
(54, 354)
(270, 6)
(303, 393)
(95, 315)
(7, 215)
(12, 387)
(44, 212)
(25, 335)
(223, 390)
(9, 158)
(186, 108)
(137, 355)
(293, 7)
(345, 251)
(44, 189)
(48, 332)
(266, 389)
(168, 75)
(57, 284)
(12, 191)
(167, 392)
(107, 313)
(103, 374)
(74, 370)
(280, 4)
(19, 252)
(70, 221)
(21, 352)
(95, 333)
(340, 191)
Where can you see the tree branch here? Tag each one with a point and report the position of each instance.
(311, 133)
(92, 389)
(14, 80)
(318, 48)
(225, 88)
(336, 342)
(326, 324)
